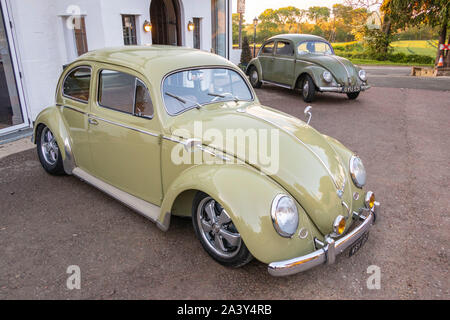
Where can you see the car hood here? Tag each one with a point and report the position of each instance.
(342, 69)
(306, 166)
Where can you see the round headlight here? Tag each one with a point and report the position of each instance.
(284, 215)
(327, 76)
(362, 75)
(357, 171)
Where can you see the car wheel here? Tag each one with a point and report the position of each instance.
(352, 95)
(254, 77)
(48, 151)
(217, 233)
(308, 89)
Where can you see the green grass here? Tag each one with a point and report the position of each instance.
(384, 63)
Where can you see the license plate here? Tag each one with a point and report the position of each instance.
(358, 244)
(352, 89)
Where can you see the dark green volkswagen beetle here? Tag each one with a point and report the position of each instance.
(308, 63)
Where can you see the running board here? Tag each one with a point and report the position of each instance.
(276, 84)
(144, 208)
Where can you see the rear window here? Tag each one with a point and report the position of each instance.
(77, 84)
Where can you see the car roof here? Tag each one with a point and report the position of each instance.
(155, 61)
(297, 37)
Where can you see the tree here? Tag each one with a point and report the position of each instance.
(435, 13)
(317, 14)
(246, 54)
(379, 39)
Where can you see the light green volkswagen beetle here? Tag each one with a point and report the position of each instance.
(308, 63)
(139, 122)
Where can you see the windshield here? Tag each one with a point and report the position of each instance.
(194, 88)
(315, 47)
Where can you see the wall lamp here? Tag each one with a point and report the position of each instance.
(191, 26)
(147, 26)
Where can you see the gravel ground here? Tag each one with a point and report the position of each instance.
(48, 223)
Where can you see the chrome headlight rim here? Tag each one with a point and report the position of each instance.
(327, 76)
(362, 75)
(359, 181)
(275, 217)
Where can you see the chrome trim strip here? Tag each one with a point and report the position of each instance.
(123, 125)
(346, 70)
(72, 108)
(323, 255)
(304, 144)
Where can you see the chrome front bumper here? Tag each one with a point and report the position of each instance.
(341, 89)
(326, 254)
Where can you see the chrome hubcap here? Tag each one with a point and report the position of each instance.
(49, 147)
(254, 76)
(217, 229)
(305, 88)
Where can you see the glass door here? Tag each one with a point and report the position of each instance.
(11, 106)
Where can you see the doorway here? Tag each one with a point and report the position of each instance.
(166, 25)
(12, 111)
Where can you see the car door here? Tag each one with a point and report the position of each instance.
(124, 135)
(266, 60)
(284, 63)
(74, 97)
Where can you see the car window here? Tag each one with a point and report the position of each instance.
(268, 48)
(194, 88)
(284, 48)
(125, 93)
(315, 47)
(143, 106)
(77, 84)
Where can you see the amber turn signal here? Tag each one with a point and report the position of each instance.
(339, 225)
(370, 200)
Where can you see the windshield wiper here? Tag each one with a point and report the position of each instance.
(224, 95)
(183, 100)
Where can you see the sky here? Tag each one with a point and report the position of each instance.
(253, 8)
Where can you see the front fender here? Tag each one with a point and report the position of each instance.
(53, 119)
(247, 196)
(255, 62)
(315, 72)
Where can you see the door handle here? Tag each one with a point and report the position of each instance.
(93, 121)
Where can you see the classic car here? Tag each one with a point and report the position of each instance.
(122, 117)
(308, 63)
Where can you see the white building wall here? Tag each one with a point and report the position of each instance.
(43, 41)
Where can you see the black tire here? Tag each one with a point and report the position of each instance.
(53, 166)
(352, 95)
(254, 77)
(308, 89)
(239, 254)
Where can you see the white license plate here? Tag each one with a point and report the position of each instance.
(352, 89)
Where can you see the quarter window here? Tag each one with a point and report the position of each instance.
(285, 48)
(77, 84)
(125, 93)
(268, 48)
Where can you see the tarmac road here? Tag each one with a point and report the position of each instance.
(49, 223)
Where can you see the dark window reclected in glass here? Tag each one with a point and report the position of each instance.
(284, 48)
(77, 84)
(116, 91)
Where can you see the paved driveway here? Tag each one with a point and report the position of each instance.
(49, 223)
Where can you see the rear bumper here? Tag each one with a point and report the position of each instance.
(341, 89)
(326, 254)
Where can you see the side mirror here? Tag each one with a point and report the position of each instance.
(308, 114)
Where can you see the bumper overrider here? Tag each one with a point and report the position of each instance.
(344, 89)
(328, 253)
